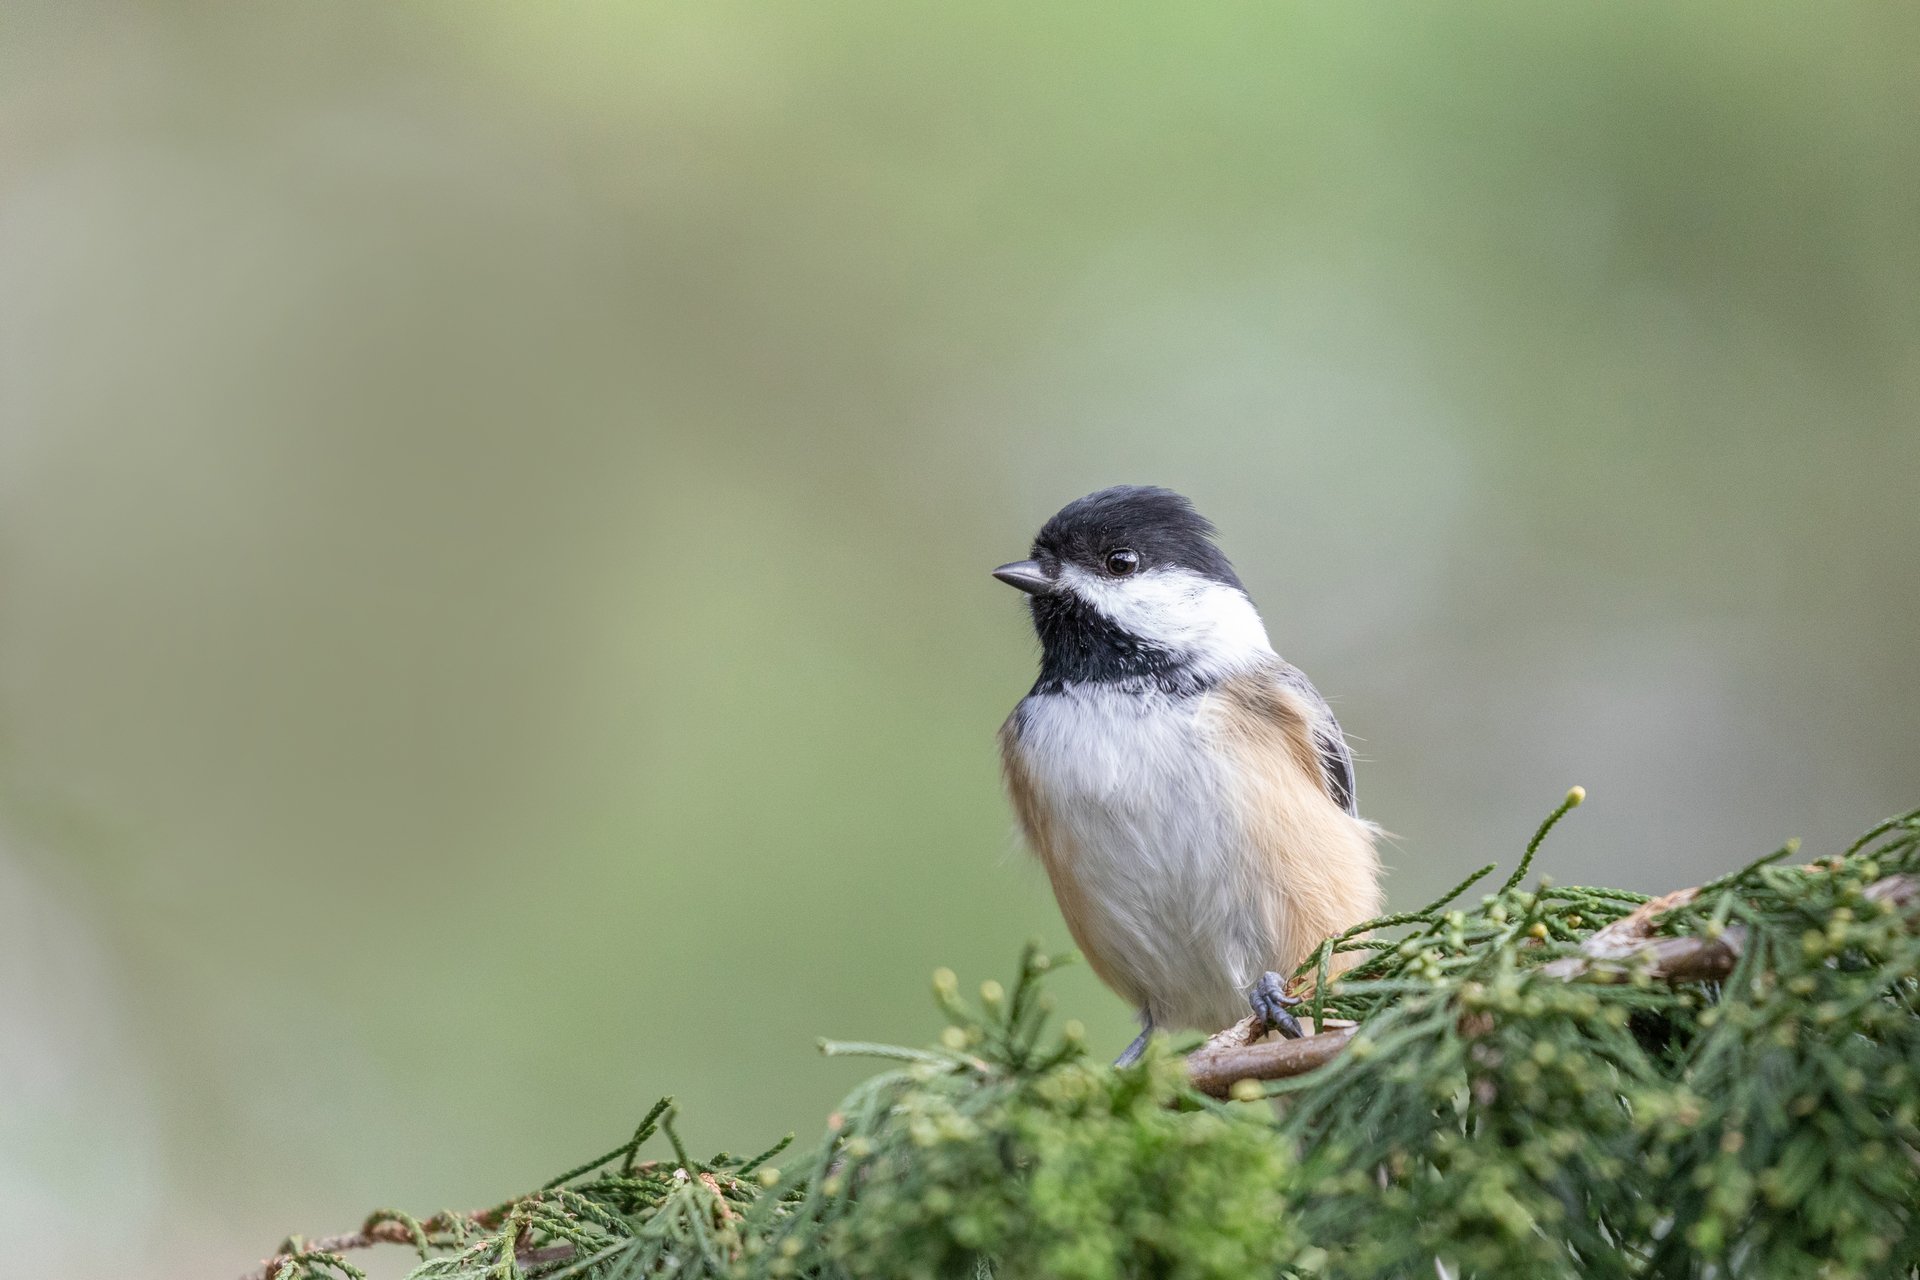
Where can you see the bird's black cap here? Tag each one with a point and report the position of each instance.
(1158, 524)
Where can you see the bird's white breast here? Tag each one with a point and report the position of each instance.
(1148, 849)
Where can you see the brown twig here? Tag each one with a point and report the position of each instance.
(1216, 1071)
(391, 1231)
(385, 1231)
(1608, 951)
(1611, 954)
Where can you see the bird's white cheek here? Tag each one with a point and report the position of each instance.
(1203, 621)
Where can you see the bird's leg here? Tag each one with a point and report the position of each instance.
(1270, 1003)
(1131, 1054)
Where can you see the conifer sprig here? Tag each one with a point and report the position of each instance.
(1555, 1081)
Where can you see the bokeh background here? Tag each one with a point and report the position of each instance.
(495, 503)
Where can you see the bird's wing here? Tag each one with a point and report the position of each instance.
(1336, 759)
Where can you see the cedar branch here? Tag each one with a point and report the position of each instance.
(1609, 955)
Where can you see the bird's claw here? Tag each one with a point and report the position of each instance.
(1270, 1003)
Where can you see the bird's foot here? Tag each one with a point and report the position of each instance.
(1270, 1003)
(1131, 1054)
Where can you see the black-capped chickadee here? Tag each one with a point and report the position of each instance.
(1189, 792)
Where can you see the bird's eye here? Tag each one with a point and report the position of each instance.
(1122, 562)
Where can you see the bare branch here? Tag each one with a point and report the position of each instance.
(1216, 1071)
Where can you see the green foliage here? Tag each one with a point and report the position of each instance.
(1488, 1119)
(1805, 1075)
(1053, 1167)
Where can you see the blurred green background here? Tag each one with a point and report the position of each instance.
(495, 503)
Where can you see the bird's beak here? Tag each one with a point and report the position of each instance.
(1027, 575)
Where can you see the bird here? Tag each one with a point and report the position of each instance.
(1188, 791)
